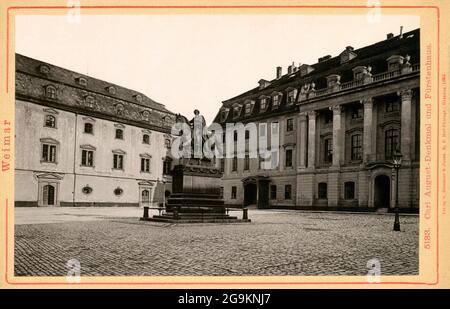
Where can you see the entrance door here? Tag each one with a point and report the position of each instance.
(250, 191)
(382, 197)
(48, 195)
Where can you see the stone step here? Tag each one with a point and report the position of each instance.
(199, 216)
(194, 220)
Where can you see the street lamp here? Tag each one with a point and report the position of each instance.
(396, 162)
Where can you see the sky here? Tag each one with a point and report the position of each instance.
(189, 62)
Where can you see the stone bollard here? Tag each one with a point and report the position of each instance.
(244, 214)
(145, 212)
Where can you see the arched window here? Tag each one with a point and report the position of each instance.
(146, 139)
(50, 92)
(119, 133)
(88, 128)
(50, 121)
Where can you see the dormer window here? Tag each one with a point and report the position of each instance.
(119, 109)
(395, 62)
(347, 54)
(138, 98)
(111, 90)
(276, 100)
(291, 94)
(305, 69)
(249, 104)
(236, 111)
(145, 115)
(224, 114)
(263, 84)
(90, 101)
(263, 103)
(44, 69)
(248, 108)
(50, 92)
(82, 81)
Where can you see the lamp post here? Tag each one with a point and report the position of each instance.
(396, 162)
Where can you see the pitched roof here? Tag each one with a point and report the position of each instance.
(61, 75)
(374, 55)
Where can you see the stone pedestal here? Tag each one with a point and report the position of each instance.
(196, 196)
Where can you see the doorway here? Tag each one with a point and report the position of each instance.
(48, 195)
(250, 194)
(382, 196)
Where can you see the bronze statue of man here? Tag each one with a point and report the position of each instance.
(198, 125)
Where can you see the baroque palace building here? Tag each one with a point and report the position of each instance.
(80, 141)
(340, 121)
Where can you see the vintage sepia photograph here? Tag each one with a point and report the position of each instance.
(217, 145)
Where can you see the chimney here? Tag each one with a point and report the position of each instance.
(289, 69)
(389, 36)
(279, 72)
(324, 58)
(401, 32)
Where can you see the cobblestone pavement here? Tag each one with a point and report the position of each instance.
(274, 243)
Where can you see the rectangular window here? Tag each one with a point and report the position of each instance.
(290, 125)
(275, 128)
(349, 190)
(247, 162)
(291, 97)
(167, 166)
(248, 108)
(263, 104)
(274, 159)
(87, 157)
(323, 188)
(48, 153)
(145, 165)
(247, 134)
(392, 106)
(357, 112)
(356, 147)
(276, 101)
(262, 129)
(328, 150)
(391, 143)
(118, 161)
(287, 192)
(234, 164)
(288, 162)
(328, 117)
(233, 192)
(273, 192)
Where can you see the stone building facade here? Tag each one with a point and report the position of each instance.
(80, 141)
(340, 122)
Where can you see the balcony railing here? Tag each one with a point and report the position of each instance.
(357, 83)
